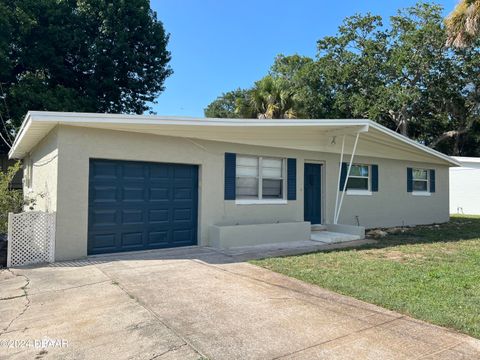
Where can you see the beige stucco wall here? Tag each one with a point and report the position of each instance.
(392, 205)
(43, 163)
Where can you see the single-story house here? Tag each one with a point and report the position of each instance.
(135, 182)
(465, 186)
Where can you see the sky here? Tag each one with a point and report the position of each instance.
(218, 46)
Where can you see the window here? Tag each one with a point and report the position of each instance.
(260, 178)
(247, 177)
(359, 178)
(420, 180)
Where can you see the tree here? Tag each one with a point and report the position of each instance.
(269, 98)
(277, 95)
(89, 55)
(401, 76)
(464, 24)
(385, 73)
(273, 98)
(11, 200)
(305, 78)
(404, 77)
(232, 104)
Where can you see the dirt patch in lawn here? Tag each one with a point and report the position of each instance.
(393, 255)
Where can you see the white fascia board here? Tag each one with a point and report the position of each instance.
(415, 144)
(466, 159)
(21, 134)
(347, 130)
(86, 118)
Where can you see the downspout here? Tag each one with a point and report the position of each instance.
(337, 214)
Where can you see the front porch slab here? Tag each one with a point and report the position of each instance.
(330, 237)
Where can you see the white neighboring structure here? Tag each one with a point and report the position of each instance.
(465, 186)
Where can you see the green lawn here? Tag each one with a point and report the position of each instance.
(430, 273)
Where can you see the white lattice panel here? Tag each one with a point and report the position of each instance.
(31, 238)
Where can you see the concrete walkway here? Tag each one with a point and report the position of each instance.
(197, 303)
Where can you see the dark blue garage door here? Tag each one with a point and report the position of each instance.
(141, 205)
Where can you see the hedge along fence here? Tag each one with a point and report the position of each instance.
(11, 200)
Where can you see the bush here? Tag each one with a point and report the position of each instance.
(10, 200)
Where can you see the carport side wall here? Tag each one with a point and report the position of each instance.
(391, 206)
(43, 163)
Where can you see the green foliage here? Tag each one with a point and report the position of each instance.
(270, 98)
(401, 76)
(88, 55)
(233, 104)
(273, 98)
(10, 200)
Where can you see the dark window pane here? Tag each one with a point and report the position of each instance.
(357, 183)
(419, 186)
(272, 189)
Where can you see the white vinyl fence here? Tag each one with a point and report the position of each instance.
(31, 238)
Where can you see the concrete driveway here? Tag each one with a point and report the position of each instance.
(197, 303)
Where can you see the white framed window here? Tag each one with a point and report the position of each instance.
(420, 181)
(359, 179)
(260, 179)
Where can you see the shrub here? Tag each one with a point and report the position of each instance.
(10, 200)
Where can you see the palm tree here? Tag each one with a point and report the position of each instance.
(463, 24)
(271, 98)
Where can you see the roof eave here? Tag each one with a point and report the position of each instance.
(417, 145)
(360, 125)
(21, 133)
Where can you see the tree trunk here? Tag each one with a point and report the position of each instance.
(403, 127)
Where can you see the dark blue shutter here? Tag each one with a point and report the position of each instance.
(409, 179)
(291, 179)
(374, 177)
(230, 174)
(432, 181)
(343, 175)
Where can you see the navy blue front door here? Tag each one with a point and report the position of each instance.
(141, 205)
(312, 193)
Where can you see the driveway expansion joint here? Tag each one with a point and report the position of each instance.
(155, 315)
(174, 348)
(339, 337)
(374, 312)
(441, 350)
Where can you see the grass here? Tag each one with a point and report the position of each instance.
(431, 273)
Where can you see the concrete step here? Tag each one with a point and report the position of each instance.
(318, 227)
(329, 237)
